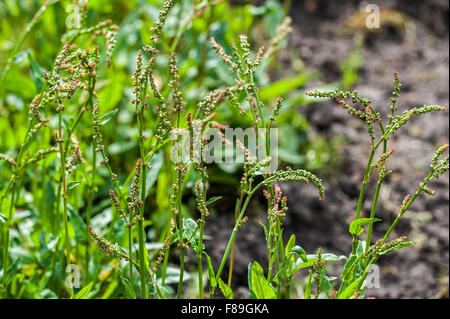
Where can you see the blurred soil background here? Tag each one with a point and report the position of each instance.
(413, 40)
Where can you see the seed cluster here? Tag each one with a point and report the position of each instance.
(277, 204)
(300, 176)
(106, 246)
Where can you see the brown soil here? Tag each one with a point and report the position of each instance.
(421, 56)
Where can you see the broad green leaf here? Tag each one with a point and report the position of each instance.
(72, 185)
(259, 287)
(173, 275)
(3, 219)
(290, 245)
(47, 213)
(360, 248)
(308, 286)
(283, 86)
(152, 173)
(11, 271)
(291, 157)
(349, 291)
(189, 228)
(6, 207)
(105, 118)
(36, 73)
(355, 225)
(211, 273)
(300, 252)
(83, 292)
(78, 224)
(129, 292)
(349, 264)
(226, 290)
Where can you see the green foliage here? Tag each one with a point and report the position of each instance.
(86, 171)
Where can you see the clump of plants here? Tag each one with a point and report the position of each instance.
(166, 123)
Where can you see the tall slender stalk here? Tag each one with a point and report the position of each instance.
(62, 155)
(142, 248)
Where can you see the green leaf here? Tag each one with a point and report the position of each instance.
(349, 264)
(212, 200)
(47, 214)
(36, 73)
(152, 174)
(129, 292)
(259, 286)
(72, 185)
(105, 118)
(6, 207)
(173, 276)
(291, 157)
(300, 252)
(355, 226)
(11, 271)
(290, 245)
(266, 232)
(349, 291)
(189, 228)
(283, 86)
(226, 290)
(360, 248)
(83, 292)
(3, 219)
(77, 223)
(211, 274)
(308, 286)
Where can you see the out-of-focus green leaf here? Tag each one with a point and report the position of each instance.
(78, 224)
(259, 287)
(83, 292)
(226, 290)
(105, 118)
(355, 226)
(283, 86)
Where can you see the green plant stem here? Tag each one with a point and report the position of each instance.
(180, 234)
(361, 195)
(405, 208)
(142, 248)
(409, 203)
(372, 213)
(64, 194)
(165, 262)
(287, 288)
(142, 259)
(377, 191)
(11, 184)
(270, 189)
(6, 242)
(130, 252)
(200, 245)
(234, 233)
(89, 209)
(94, 167)
(236, 215)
